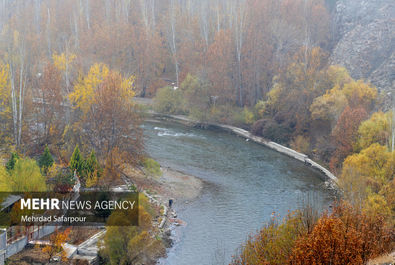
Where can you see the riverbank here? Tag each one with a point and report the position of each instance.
(172, 184)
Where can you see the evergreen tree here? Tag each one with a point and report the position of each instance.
(11, 163)
(46, 160)
(77, 162)
(92, 170)
(91, 162)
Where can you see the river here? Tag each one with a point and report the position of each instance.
(244, 183)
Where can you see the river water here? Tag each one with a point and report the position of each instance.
(244, 183)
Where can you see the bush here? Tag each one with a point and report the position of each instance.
(245, 117)
(169, 101)
(258, 126)
(152, 167)
(300, 144)
(196, 97)
(224, 113)
(272, 130)
(63, 181)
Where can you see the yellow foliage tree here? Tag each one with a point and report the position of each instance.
(26, 176)
(376, 204)
(4, 180)
(375, 130)
(84, 91)
(4, 87)
(338, 75)
(367, 179)
(62, 60)
(56, 241)
(345, 91)
(329, 106)
(5, 104)
(373, 163)
(360, 94)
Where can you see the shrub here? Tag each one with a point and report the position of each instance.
(245, 117)
(169, 101)
(272, 130)
(300, 144)
(273, 244)
(196, 97)
(11, 163)
(64, 181)
(152, 167)
(259, 126)
(277, 132)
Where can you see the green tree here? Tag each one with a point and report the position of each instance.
(77, 162)
(11, 163)
(46, 160)
(4, 180)
(169, 100)
(131, 244)
(26, 177)
(91, 164)
(92, 170)
(197, 98)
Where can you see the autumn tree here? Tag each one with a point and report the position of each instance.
(18, 71)
(367, 180)
(197, 97)
(51, 105)
(5, 105)
(347, 236)
(377, 129)
(55, 246)
(131, 244)
(83, 95)
(345, 133)
(220, 54)
(63, 63)
(169, 100)
(292, 93)
(109, 120)
(4, 183)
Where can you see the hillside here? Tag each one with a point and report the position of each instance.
(365, 33)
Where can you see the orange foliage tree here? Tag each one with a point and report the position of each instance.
(56, 241)
(347, 236)
(345, 133)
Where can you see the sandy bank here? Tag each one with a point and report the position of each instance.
(171, 185)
